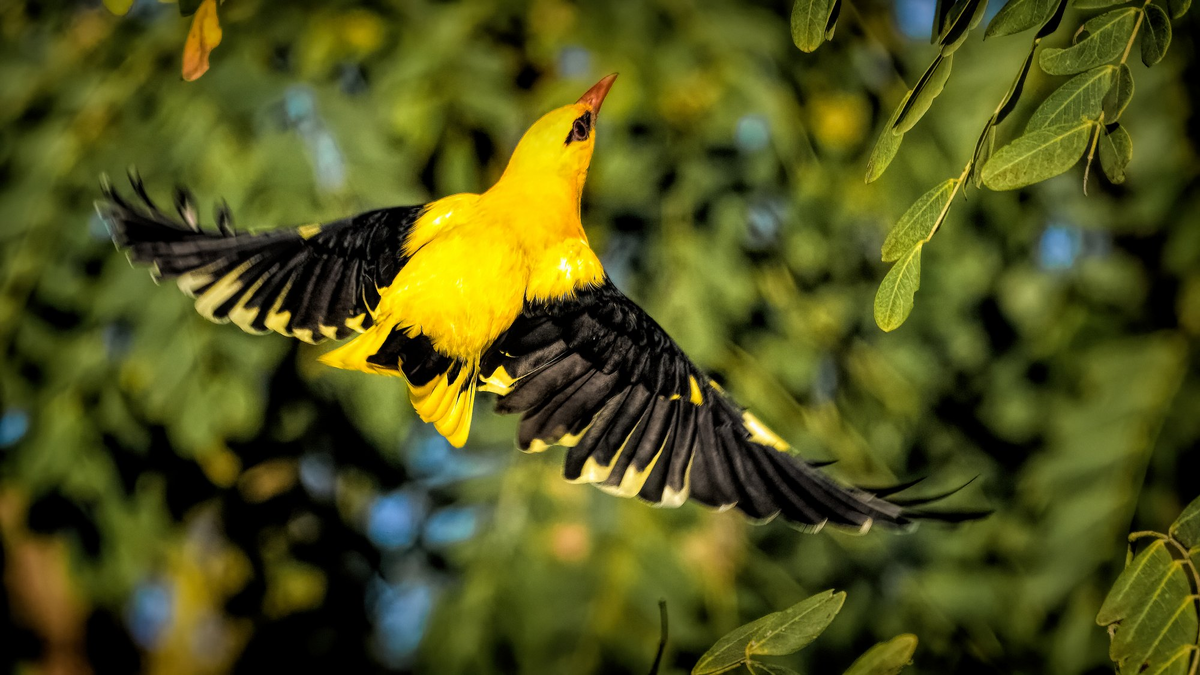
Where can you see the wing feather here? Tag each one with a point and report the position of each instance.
(313, 282)
(594, 372)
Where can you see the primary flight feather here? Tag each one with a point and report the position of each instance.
(500, 292)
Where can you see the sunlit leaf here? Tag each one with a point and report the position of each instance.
(118, 7)
(886, 658)
(894, 299)
(927, 88)
(959, 10)
(1106, 38)
(966, 15)
(1151, 613)
(1080, 97)
(810, 21)
(730, 651)
(1156, 34)
(886, 147)
(984, 146)
(1020, 15)
(793, 628)
(1116, 149)
(1186, 527)
(760, 668)
(1036, 156)
(920, 221)
(940, 12)
(1050, 26)
(1119, 96)
(203, 37)
(774, 634)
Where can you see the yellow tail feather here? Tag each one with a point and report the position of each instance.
(448, 404)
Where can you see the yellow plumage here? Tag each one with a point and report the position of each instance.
(500, 292)
(474, 259)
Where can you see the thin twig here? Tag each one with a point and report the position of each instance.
(662, 636)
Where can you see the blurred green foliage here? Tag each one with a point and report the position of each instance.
(180, 497)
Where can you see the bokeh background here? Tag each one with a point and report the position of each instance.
(179, 497)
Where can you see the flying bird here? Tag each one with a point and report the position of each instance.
(500, 292)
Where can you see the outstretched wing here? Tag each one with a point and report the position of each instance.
(312, 282)
(596, 374)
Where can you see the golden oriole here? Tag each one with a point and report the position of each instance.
(500, 292)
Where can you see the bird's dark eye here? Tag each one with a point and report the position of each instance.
(581, 128)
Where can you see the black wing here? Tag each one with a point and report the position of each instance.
(598, 375)
(312, 282)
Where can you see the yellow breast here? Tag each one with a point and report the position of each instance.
(560, 270)
(476, 258)
(464, 283)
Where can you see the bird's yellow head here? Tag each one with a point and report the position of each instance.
(559, 145)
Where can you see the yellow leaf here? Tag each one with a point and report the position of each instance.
(203, 37)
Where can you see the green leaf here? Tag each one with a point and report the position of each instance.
(1080, 97)
(921, 97)
(1036, 156)
(810, 21)
(118, 7)
(1020, 15)
(188, 7)
(940, 12)
(1106, 38)
(1116, 149)
(730, 651)
(920, 221)
(792, 629)
(983, 152)
(779, 630)
(894, 300)
(760, 668)
(1156, 34)
(1096, 4)
(970, 13)
(833, 17)
(1009, 102)
(1186, 527)
(1150, 612)
(885, 658)
(1119, 96)
(1179, 7)
(1050, 26)
(886, 147)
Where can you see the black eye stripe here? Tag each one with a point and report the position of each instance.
(580, 129)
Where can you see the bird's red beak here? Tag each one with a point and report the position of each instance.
(595, 96)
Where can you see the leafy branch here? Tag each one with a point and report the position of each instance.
(1079, 119)
(1153, 610)
(793, 629)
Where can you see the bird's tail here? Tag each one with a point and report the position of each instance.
(441, 388)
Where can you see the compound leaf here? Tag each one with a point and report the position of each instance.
(1036, 156)
(1106, 38)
